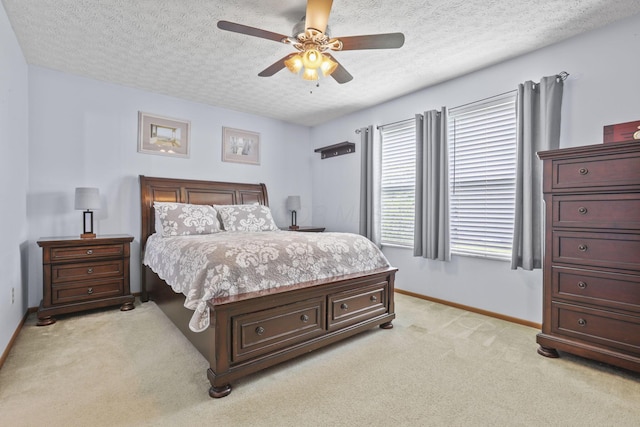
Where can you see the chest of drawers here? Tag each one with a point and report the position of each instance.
(592, 253)
(81, 274)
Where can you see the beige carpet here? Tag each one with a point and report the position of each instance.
(438, 366)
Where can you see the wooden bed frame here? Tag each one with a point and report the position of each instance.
(253, 331)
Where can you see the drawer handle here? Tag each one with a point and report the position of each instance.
(373, 298)
(90, 291)
(344, 306)
(259, 330)
(89, 251)
(582, 210)
(583, 171)
(582, 322)
(583, 248)
(89, 270)
(582, 285)
(304, 318)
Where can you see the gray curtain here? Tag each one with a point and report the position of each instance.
(368, 215)
(538, 109)
(431, 235)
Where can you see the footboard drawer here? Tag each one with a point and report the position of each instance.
(353, 306)
(269, 330)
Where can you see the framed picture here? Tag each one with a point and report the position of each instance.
(240, 146)
(163, 135)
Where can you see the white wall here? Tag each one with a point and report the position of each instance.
(84, 133)
(14, 151)
(603, 89)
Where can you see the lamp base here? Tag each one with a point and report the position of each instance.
(88, 236)
(293, 227)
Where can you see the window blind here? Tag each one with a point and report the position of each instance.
(398, 175)
(482, 153)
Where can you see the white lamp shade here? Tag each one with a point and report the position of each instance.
(293, 203)
(87, 198)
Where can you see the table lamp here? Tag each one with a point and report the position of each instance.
(87, 200)
(293, 204)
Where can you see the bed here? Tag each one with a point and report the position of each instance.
(248, 332)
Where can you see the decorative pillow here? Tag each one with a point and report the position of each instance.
(183, 219)
(246, 217)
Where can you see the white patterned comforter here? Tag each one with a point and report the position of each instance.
(230, 263)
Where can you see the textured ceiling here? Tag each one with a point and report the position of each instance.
(173, 47)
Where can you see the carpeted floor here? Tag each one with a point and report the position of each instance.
(438, 366)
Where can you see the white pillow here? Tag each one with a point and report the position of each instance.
(183, 219)
(246, 217)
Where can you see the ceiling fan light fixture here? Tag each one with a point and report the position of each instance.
(327, 66)
(312, 58)
(294, 63)
(310, 74)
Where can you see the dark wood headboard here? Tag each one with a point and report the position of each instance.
(195, 192)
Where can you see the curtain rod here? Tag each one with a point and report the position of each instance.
(562, 75)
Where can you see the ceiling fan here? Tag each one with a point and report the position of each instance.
(312, 42)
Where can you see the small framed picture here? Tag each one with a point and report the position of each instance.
(240, 146)
(163, 135)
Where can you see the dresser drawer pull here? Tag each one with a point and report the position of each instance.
(374, 298)
(304, 318)
(89, 251)
(583, 248)
(582, 322)
(344, 306)
(259, 330)
(582, 285)
(89, 270)
(582, 210)
(90, 291)
(583, 171)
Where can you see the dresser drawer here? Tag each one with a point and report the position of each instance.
(597, 171)
(270, 330)
(350, 307)
(85, 252)
(597, 326)
(619, 211)
(78, 292)
(619, 291)
(63, 273)
(597, 249)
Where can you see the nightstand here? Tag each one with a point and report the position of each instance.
(82, 274)
(309, 229)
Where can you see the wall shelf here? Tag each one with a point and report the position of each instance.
(336, 149)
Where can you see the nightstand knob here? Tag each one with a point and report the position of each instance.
(304, 318)
(583, 248)
(259, 330)
(89, 270)
(582, 285)
(373, 298)
(90, 291)
(582, 210)
(89, 251)
(582, 322)
(583, 171)
(344, 306)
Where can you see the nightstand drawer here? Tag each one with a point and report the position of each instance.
(63, 273)
(85, 252)
(86, 291)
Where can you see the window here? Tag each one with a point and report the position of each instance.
(398, 175)
(482, 162)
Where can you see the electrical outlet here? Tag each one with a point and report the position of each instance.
(13, 295)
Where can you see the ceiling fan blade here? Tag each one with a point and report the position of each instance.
(340, 74)
(275, 67)
(250, 31)
(373, 41)
(318, 14)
